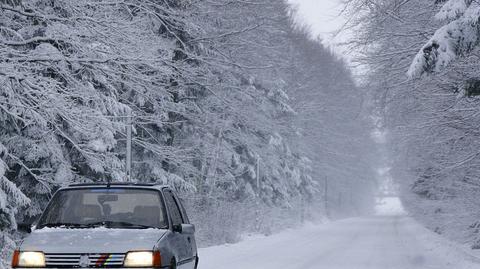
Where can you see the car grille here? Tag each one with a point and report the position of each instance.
(79, 260)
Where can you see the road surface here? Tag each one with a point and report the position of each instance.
(377, 242)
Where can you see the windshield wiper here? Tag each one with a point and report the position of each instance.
(119, 224)
(63, 224)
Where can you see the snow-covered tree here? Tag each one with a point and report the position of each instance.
(210, 87)
(458, 35)
(430, 121)
(11, 200)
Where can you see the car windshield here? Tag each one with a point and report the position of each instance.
(105, 207)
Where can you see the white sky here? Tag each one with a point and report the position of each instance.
(323, 16)
(325, 19)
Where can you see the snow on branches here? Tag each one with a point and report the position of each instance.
(452, 9)
(206, 86)
(430, 122)
(11, 199)
(458, 37)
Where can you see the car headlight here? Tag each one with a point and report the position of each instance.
(28, 259)
(143, 259)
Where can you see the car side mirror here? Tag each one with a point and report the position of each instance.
(184, 228)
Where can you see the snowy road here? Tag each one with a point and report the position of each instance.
(379, 242)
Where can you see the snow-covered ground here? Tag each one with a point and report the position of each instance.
(389, 206)
(385, 241)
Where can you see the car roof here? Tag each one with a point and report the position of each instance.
(117, 184)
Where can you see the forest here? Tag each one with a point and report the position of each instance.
(422, 59)
(233, 103)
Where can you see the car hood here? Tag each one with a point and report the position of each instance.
(94, 240)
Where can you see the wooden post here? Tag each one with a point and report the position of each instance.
(325, 195)
(128, 159)
(257, 200)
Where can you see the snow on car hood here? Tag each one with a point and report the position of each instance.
(94, 240)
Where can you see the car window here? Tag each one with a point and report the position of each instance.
(173, 208)
(120, 207)
(184, 212)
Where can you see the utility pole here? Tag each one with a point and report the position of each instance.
(325, 195)
(128, 165)
(257, 202)
(258, 175)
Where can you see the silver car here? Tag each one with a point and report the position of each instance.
(111, 226)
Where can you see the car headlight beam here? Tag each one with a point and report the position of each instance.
(143, 259)
(31, 259)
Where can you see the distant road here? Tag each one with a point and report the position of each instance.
(378, 242)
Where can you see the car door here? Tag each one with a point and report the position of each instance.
(190, 237)
(181, 241)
